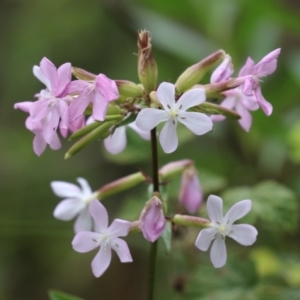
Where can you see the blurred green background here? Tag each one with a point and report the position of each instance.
(263, 165)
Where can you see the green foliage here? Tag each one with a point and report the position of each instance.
(273, 204)
(55, 295)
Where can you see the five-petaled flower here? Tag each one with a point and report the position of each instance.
(105, 237)
(223, 226)
(76, 203)
(174, 112)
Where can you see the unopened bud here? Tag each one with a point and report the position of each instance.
(129, 89)
(191, 221)
(147, 69)
(83, 74)
(174, 168)
(152, 220)
(190, 195)
(195, 73)
(223, 71)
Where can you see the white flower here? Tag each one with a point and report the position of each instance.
(222, 227)
(174, 112)
(76, 203)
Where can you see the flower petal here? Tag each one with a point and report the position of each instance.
(99, 214)
(143, 134)
(263, 103)
(237, 211)
(244, 234)
(121, 248)
(79, 104)
(65, 189)
(214, 209)
(100, 105)
(191, 98)
(198, 123)
(218, 253)
(116, 142)
(204, 238)
(24, 106)
(166, 95)
(85, 187)
(168, 137)
(148, 118)
(107, 87)
(55, 142)
(64, 78)
(50, 71)
(39, 144)
(83, 222)
(101, 261)
(246, 119)
(37, 72)
(85, 241)
(247, 69)
(68, 209)
(118, 228)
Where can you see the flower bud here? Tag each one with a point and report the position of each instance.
(147, 69)
(174, 168)
(191, 221)
(152, 220)
(128, 88)
(83, 74)
(195, 73)
(223, 71)
(190, 195)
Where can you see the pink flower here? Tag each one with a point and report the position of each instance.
(191, 195)
(152, 220)
(221, 227)
(105, 237)
(223, 71)
(76, 203)
(50, 111)
(100, 92)
(265, 67)
(174, 112)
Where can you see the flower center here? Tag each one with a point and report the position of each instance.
(224, 230)
(105, 240)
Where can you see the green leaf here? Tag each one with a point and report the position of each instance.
(272, 203)
(167, 237)
(56, 295)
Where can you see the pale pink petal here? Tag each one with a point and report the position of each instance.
(107, 87)
(198, 123)
(246, 119)
(39, 144)
(38, 110)
(85, 187)
(244, 234)
(83, 222)
(100, 105)
(76, 87)
(191, 98)
(99, 214)
(249, 102)
(48, 68)
(79, 104)
(270, 56)
(168, 137)
(24, 106)
(223, 71)
(148, 118)
(166, 95)
(237, 211)
(64, 78)
(118, 228)
(63, 110)
(67, 209)
(218, 253)
(65, 189)
(268, 64)
(116, 142)
(263, 103)
(85, 241)
(122, 250)
(205, 237)
(217, 118)
(143, 134)
(51, 125)
(55, 142)
(101, 261)
(77, 124)
(37, 72)
(247, 69)
(215, 208)
(248, 86)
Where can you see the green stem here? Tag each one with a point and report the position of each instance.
(153, 249)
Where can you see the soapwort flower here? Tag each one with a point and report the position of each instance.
(76, 203)
(105, 237)
(174, 112)
(221, 227)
